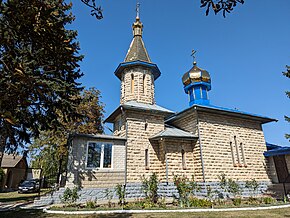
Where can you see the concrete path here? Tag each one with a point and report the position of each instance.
(165, 211)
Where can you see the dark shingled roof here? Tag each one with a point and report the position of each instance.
(137, 51)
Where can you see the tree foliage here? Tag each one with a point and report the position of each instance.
(51, 146)
(96, 11)
(224, 6)
(38, 69)
(287, 74)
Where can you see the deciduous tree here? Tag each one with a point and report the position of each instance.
(51, 146)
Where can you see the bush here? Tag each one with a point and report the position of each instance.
(109, 195)
(196, 202)
(2, 174)
(269, 200)
(70, 196)
(150, 187)
(121, 191)
(253, 186)
(185, 187)
(237, 201)
(234, 188)
(91, 204)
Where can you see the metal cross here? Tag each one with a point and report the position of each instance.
(193, 52)
(138, 9)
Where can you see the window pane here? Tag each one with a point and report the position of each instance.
(94, 155)
(107, 156)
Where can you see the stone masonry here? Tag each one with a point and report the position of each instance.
(137, 84)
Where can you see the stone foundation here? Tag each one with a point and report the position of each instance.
(134, 192)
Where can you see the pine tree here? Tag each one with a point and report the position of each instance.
(38, 69)
(287, 74)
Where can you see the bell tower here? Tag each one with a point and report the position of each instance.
(137, 73)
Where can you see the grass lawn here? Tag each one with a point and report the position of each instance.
(277, 213)
(16, 197)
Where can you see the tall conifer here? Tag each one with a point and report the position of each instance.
(38, 69)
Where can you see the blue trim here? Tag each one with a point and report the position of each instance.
(233, 111)
(122, 66)
(274, 150)
(198, 93)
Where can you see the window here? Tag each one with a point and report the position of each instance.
(238, 154)
(144, 83)
(146, 159)
(183, 159)
(132, 83)
(99, 155)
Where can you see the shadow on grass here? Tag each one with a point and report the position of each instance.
(19, 213)
(17, 199)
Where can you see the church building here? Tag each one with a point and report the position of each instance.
(203, 141)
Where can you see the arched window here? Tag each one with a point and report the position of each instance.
(132, 83)
(183, 159)
(146, 159)
(144, 84)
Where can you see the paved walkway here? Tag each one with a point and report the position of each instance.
(164, 211)
(14, 205)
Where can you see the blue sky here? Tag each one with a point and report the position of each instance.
(245, 53)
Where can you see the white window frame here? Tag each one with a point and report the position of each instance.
(102, 155)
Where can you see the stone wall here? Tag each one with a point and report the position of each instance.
(272, 170)
(233, 146)
(143, 85)
(142, 126)
(79, 175)
(134, 192)
(173, 150)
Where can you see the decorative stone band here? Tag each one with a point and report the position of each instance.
(134, 192)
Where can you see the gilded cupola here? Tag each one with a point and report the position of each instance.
(195, 74)
(197, 84)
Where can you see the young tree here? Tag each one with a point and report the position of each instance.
(38, 69)
(287, 74)
(51, 146)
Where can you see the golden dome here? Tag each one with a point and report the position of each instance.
(195, 74)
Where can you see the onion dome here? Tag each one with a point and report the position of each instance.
(196, 74)
(197, 84)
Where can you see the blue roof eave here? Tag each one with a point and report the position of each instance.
(122, 66)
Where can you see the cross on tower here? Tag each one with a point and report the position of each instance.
(137, 9)
(193, 52)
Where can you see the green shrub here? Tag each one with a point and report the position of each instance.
(237, 201)
(70, 196)
(109, 196)
(234, 188)
(253, 201)
(196, 202)
(2, 174)
(185, 188)
(253, 186)
(150, 187)
(269, 200)
(121, 191)
(91, 204)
